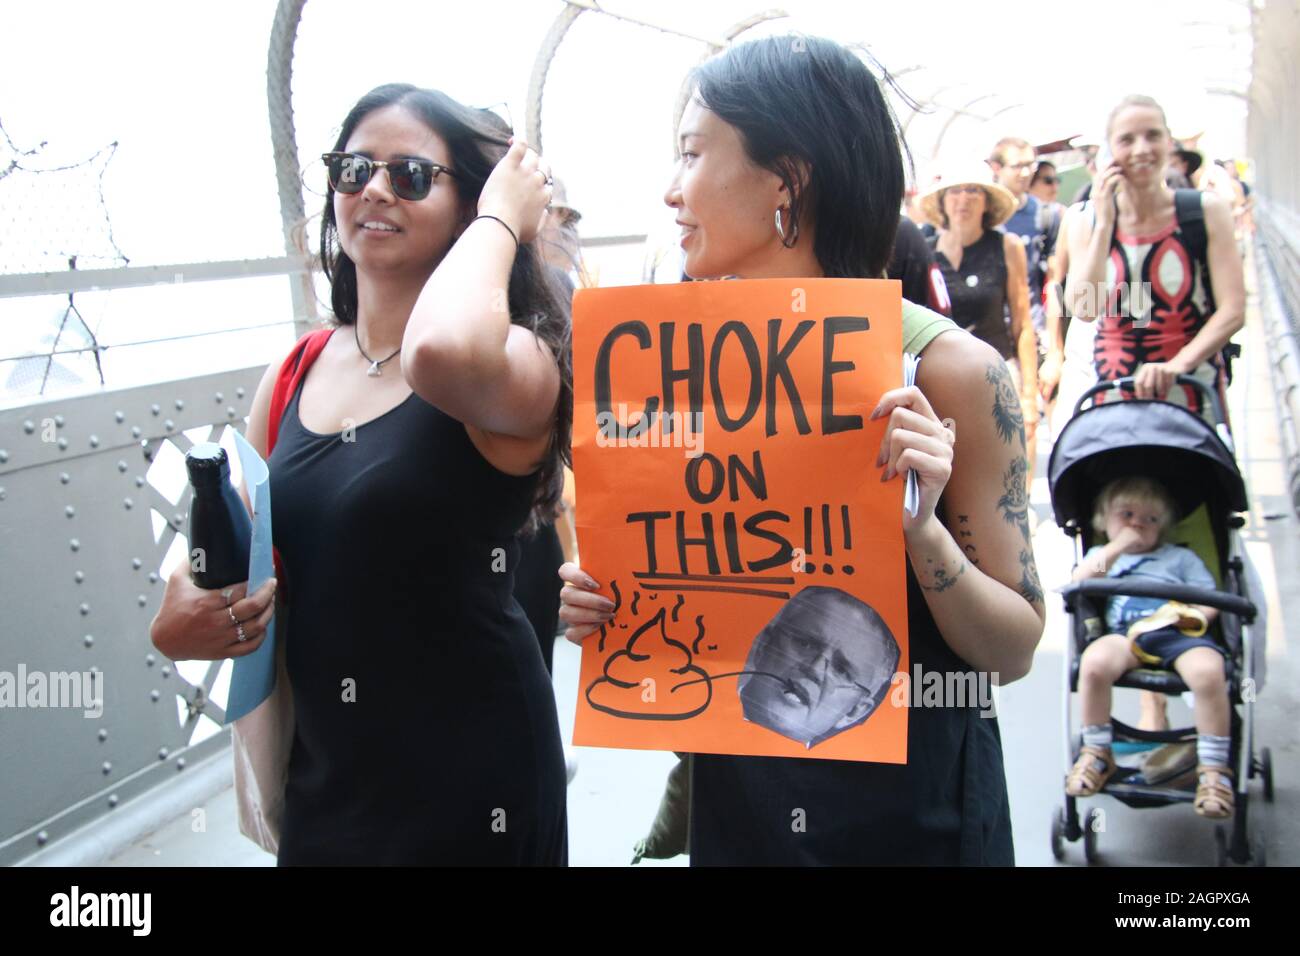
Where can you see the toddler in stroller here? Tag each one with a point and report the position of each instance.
(1135, 513)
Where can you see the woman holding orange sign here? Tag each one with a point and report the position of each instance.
(791, 166)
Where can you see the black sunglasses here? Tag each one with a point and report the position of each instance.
(1048, 180)
(411, 179)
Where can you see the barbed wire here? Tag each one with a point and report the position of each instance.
(56, 218)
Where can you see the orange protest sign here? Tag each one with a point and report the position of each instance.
(728, 501)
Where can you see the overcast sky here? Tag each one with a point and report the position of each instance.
(181, 86)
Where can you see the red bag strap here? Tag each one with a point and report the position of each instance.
(292, 371)
(296, 363)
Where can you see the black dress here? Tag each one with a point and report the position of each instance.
(946, 806)
(537, 585)
(425, 723)
(978, 290)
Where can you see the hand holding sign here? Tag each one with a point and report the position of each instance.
(917, 440)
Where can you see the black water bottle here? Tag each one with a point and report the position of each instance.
(221, 532)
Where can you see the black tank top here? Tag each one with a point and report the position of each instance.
(978, 290)
(946, 806)
(425, 722)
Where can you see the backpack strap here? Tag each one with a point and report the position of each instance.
(1191, 225)
(1191, 228)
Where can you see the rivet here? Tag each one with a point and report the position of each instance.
(135, 563)
(142, 600)
(127, 502)
(80, 576)
(112, 800)
(85, 609)
(169, 425)
(154, 695)
(64, 477)
(230, 411)
(179, 520)
(63, 444)
(4, 456)
(180, 763)
(239, 392)
(120, 417)
(2, 493)
(42, 838)
(70, 511)
(88, 640)
(149, 659)
(180, 405)
(107, 767)
(103, 735)
(139, 481)
(94, 441)
(29, 427)
(155, 408)
(121, 466)
(220, 398)
(162, 753)
(166, 671)
(153, 577)
(135, 431)
(58, 421)
(75, 544)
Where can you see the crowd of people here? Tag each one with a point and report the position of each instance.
(465, 410)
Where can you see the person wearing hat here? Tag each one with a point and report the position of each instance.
(1185, 163)
(986, 270)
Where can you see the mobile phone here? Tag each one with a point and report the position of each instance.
(1104, 157)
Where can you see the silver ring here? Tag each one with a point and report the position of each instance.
(227, 593)
(550, 181)
(233, 620)
(239, 632)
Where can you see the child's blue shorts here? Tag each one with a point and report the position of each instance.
(1169, 643)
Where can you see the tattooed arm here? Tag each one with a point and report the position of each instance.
(977, 568)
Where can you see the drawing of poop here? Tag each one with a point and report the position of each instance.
(652, 678)
(820, 667)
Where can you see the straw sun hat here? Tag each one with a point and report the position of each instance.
(1000, 203)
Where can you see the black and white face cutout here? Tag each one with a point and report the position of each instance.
(819, 667)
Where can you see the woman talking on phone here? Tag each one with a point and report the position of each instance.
(791, 166)
(1156, 269)
(432, 423)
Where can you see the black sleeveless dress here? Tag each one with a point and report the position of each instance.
(425, 723)
(947, 806)
(978, 290)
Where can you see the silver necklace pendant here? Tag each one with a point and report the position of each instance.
(374, 371)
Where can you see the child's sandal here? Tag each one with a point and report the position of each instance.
(1214, 797)
(1085, 778)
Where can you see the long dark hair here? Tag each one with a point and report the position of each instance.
(537, 302)
(798, 98)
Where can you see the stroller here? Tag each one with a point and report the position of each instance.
(1195, 462)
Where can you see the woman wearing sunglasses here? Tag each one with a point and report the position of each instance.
(791, 166)
(432, 426)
